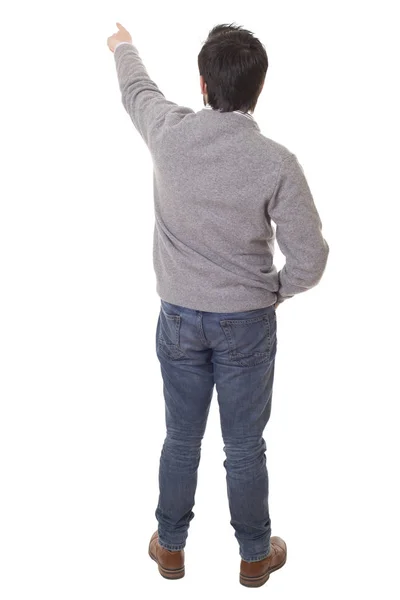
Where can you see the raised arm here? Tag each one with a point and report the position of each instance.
(298, 231)
(141, 97)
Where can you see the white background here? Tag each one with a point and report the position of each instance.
(82, 413)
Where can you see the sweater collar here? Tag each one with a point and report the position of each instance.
(247, 116)
(240, 112)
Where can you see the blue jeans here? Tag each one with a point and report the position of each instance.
(236, 352)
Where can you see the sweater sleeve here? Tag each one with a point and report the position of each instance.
(141, 98)
(298, 231)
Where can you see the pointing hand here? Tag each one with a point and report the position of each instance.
(122, 35)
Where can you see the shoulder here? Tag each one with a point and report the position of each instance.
(177, 113)
(279, 152)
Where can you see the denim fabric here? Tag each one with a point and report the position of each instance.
(236, 352)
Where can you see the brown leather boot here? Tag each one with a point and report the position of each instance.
(170, 564)
(255, 574)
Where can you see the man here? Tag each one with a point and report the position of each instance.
(218, 185)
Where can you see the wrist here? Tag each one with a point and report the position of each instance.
(120, 44)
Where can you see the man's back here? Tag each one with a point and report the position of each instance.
(218, 183)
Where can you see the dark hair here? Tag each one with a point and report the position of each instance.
(233, 64)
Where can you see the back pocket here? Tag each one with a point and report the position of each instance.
(250, 340)
(168, 339)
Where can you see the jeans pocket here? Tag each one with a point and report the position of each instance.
(168, 335)
(250, 340)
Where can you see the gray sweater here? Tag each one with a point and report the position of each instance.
(219, 183)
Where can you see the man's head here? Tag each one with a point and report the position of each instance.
(233, 65)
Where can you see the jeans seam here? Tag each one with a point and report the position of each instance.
(172, 547)
(257, 558)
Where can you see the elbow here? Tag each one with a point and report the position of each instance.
(325, 253)
(318, 266)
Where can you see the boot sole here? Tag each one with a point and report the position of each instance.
(260, 579)
(168, 573)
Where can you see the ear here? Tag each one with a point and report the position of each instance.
(203, 85)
